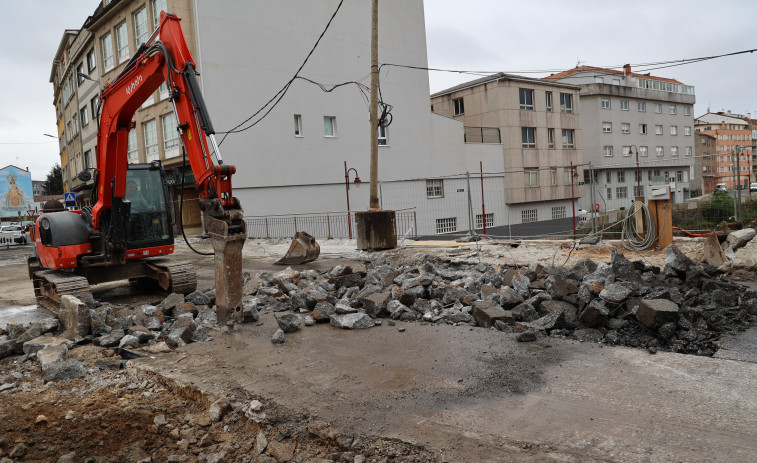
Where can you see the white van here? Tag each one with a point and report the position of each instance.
(721, 187)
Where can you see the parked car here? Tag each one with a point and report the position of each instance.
(12, 234)
(721, 187)
(753, 187)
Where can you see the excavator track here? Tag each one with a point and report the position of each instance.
(182, 277)
(51, 285)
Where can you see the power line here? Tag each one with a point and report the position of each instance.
(280, 94)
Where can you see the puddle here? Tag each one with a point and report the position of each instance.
(23, 314)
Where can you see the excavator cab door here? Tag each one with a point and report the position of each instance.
(149, 223)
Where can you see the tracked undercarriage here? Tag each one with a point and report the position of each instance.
(164, 275)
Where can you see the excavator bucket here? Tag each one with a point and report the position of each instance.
(303, 249)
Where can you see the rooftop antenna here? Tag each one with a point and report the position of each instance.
(579, 62)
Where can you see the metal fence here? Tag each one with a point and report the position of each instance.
(703, 215)
(322, 225)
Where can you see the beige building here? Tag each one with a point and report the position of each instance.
(100, 50)
(537, 123)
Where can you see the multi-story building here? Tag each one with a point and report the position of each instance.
(705, 162)
(538, 124)
(637, 132)
(733, 146)
(64, 90)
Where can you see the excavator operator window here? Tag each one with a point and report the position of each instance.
(148, 221)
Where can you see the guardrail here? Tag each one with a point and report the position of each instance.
(321, 225)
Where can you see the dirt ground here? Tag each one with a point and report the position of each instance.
(427, 393)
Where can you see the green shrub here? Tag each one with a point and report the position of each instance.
(720, 207)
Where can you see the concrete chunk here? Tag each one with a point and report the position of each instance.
(595, 314)
(656, 312)
(39, 343)
(486, 313)
(74, 316)
(352, 321)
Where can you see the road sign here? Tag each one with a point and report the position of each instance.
(69, 198)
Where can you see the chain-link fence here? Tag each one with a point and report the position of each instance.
(321, 225)
(704, 214)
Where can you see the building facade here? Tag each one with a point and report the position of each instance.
(733, 147)
(637, 132)
(538, 125)
(705, 162)
(293, 159)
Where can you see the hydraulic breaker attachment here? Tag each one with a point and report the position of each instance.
(227, 245)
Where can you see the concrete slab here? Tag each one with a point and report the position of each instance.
(478, 395)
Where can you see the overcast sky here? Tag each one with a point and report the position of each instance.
(479, 35)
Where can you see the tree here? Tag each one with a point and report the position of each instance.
(54, 181)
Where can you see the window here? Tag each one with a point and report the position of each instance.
(140, 26)
(621, 176)
(553, 176)
(459, 106)
(157, 7)
(674, 151)
(689, 151)
(607, 150)
(91, 62)
(528, 137)
(643, 129)
(434, 189)
(446, 225)
(637, 189)
(660, 150)
(88, 159)
(636, 178)
(382, 135)
(624, 105)
(163, 91)
(567, 177)
(599, 80)
(548, 96)
(674, 130)
(606, 127)
(642, 106)
(551, 137)
(122, 42)
(529, 215)
(658, 129)
(84, 117)
(80, 73)
(297, 125)
(621, 192)
(687, 110)
(687, 130)
(609, 193)
(608, 176)
(679, 176)
(329, 126)
(170, 135)
(643, 151)
(531, 178)
(526, 99)
(480, 220)
(93, 106)
(76, 123)
(133, 148)
(69, 132)
(673, 109)
(567, 138)
(558, 212)
(616, 81)
(566, 103)
(658, 108)
(150, 133)
(107, 46)
(604, 103)
(626, 150)
(625, 127)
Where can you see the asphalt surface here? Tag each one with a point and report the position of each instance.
(472, 394)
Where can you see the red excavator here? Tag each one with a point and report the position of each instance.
(128, 230)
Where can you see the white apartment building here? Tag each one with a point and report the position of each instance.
(637, 132)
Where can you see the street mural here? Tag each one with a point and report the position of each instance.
(15, 192)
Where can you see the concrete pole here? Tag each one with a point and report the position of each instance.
(374, 200)
(591, 191)
(738, 173)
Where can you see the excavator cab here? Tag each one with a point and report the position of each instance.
(150, 220)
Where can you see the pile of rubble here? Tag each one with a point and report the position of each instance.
(685, 307)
